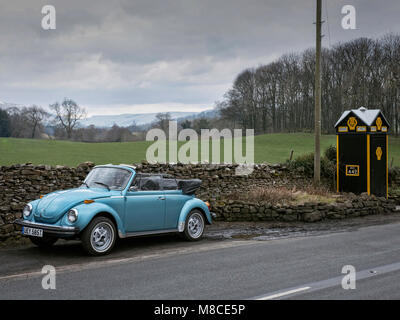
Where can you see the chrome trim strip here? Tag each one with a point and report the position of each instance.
(33, 224)
(145, 233)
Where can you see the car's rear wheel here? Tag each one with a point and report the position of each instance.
(194, 226)
(99, 236)
(45, 242)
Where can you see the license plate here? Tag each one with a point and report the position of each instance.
(32, 232)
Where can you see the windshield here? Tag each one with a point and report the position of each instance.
(108, 178)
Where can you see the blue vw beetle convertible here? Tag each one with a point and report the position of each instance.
(114, 202)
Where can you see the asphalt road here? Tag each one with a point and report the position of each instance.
(306, 267)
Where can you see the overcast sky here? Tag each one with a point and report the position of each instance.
(135, 56)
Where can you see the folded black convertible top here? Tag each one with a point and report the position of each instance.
(189, 187)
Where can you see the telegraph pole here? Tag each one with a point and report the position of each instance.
(317, 152)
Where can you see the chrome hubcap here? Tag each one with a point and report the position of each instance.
(195, 225)
(102, 237)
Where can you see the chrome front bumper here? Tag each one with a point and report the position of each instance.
(48, 229)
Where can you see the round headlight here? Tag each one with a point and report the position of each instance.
(72, 215)
(27, 210)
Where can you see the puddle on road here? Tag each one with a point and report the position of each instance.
(264, 234)
(287, 235)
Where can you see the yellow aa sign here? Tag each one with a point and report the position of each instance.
(352, 123)
(379, 153)
(379, 123)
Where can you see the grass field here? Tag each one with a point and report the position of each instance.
(270, 148)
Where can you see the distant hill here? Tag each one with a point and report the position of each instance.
(126, 120)
(209, 114)
(6, 105)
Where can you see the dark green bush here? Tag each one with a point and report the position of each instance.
(330, 154)
(328, 168)
(305, 163)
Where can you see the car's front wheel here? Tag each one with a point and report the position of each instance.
(45, 242)
(99, 236)
(194, 226)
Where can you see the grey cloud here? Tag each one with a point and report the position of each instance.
(155, 51)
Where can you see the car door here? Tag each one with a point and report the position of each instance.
(175, 201)
(145, 205)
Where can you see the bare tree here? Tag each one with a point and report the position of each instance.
(34, 116)
(67, 115)
(162, 121)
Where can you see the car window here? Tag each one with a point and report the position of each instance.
(108, 177)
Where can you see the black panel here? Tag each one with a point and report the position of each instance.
(353, 152)
(378, 167)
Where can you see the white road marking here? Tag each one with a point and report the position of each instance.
(332, 282)
(286, 293)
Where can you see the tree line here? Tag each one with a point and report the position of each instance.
(279, 96)
(62, 122)
(26, 122)
(30, 122)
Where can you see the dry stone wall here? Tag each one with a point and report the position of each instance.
(344, 207)
(20, 184)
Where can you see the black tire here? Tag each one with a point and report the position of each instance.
(90, 233)
(189, 232)
(45, 242)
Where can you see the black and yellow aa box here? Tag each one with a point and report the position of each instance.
(353, 170)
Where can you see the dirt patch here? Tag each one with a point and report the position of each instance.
(284, 196)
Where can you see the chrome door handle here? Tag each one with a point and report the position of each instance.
(161, 198)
